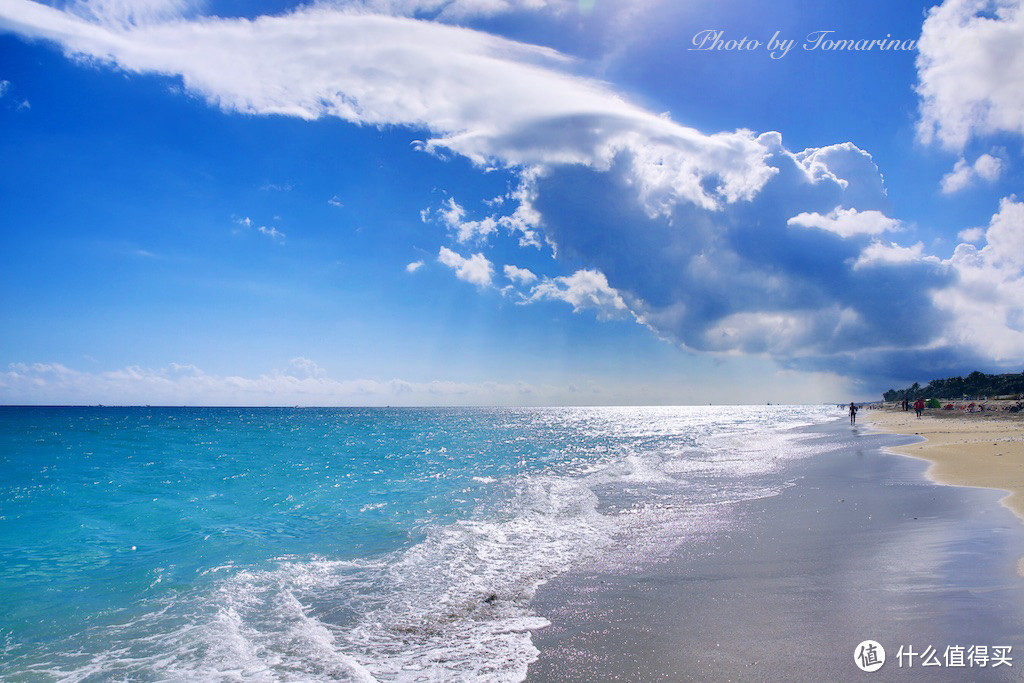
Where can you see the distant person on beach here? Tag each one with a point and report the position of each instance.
(919, 406)
(853, 413)
(906, 405)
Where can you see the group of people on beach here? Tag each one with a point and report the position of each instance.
(918, 409)
(918, 406)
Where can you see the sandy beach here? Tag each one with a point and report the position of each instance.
(965, 449)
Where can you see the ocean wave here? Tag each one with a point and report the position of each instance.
(454, 605)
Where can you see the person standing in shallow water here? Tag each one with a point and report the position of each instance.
(853, 413)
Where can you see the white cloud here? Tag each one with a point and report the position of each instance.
(482, 96)
(476, 269)
(452, 215)
(500, 102)
(523, 276)
(957, 179)
(780, 333)
(986, 167)
(987, 300)
(971, 235)
(971, 71)
(5, 88)
(524, 220)
(848, 222)
(335, 201)
(1005, 235)
(583, 289)
(891, 254)
(414, 266)
(272, 232)
(277, 187)
(848, 166)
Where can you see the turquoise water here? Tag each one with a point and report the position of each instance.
(337, 544)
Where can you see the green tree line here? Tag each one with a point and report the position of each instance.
(973, 385)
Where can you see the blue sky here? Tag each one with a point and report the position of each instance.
(505, 201)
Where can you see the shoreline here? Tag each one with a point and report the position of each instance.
(975, 450)
(860, 545)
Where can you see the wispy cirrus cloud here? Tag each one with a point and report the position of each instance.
(488, 98)
(302, 383)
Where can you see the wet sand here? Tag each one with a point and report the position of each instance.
(973, 449)
(861, 546)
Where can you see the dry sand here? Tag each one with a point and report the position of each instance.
(966, 449)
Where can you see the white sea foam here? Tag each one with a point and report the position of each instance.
(456, 606)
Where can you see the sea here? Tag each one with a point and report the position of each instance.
(344, 544)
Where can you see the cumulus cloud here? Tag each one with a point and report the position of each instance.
(957, 179)
(1005, 235)
(778, 333)
(413, 267)
(882, 254)
(584, 289)
(523, 276)
(453, 215)
(986, 301)
(821, 292)
(971, 235)
(522, 221)
(476, 269)
(846, 165)
(971, 71)
(847, 222)
(986, 167)
(726, 242)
